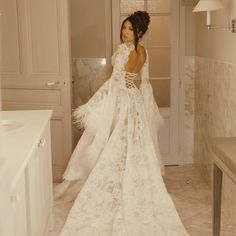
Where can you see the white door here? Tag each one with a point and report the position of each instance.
(162, 43)
(35, 66)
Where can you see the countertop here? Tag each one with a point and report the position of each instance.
(225, 149)
(18, 144)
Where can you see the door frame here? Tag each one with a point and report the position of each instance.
(175, 112)
(182, 75)
(176, 84)
(181, 80)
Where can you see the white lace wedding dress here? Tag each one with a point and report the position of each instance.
(119, 160)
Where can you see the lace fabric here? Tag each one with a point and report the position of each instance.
(119, 162)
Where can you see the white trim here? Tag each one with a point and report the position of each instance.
(115, 24)
(175, 6)
(171, 113)
(181, 80)
(108, 34)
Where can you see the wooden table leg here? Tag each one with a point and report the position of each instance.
(217, 192)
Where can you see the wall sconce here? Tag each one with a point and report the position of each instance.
(213, 5)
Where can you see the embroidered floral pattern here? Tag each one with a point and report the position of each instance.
(119, 159)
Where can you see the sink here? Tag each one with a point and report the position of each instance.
(8, 125)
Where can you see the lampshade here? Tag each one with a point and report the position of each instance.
(208, 5)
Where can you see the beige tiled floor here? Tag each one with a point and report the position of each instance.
(192, 198)
(189, 192)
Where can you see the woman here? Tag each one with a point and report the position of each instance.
(118, 156)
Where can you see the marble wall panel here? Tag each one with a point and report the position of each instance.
(215, 116)
(88, 74)
(215, 106)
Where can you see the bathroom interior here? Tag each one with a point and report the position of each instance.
(56, 54)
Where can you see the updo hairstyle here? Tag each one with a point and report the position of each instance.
(140, 21)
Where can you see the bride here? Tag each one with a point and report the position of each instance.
(118, 157)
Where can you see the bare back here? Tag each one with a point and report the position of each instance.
(136, 60)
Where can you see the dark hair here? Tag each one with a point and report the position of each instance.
(139, 21)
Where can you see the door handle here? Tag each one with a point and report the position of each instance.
(54, 83)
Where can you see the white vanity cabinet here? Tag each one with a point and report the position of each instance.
(39, 187)
(19, 209)
(28, 150)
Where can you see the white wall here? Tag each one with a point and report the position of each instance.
(219, 44)
(88, 28)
